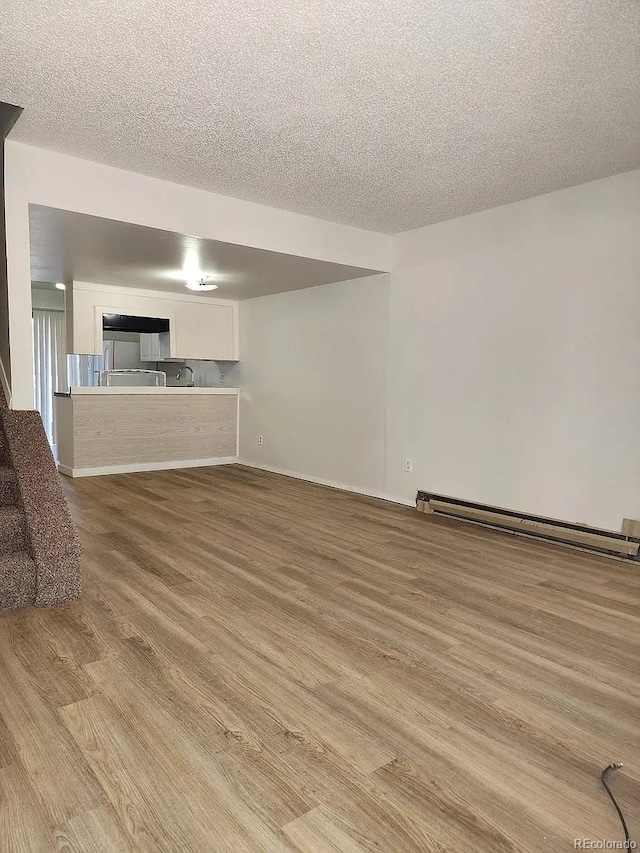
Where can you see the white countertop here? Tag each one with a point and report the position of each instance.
(177, 391)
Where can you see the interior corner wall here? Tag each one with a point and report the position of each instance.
(313, 374)
(514, 356)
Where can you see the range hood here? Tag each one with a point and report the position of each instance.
(129, 323)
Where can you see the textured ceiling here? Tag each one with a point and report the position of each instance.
(67, 246)
(389, 114)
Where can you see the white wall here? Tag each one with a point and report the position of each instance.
(513, 363)
(514, 372)
(313, 376)
(33, 175)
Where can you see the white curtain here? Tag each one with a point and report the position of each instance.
(50, 363)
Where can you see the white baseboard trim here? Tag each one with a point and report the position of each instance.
(343, 487)
(146, 466)
(5, 384)
(403, 501)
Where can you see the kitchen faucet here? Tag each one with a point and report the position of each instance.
(190, 384)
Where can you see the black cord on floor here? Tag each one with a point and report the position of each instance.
(603, 779)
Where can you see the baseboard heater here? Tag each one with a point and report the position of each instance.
(562, 532)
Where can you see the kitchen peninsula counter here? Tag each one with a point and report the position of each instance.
(180, 390)
(114, 430)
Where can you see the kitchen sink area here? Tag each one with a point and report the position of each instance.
(133, 403)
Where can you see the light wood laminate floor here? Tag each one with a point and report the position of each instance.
(261, 664)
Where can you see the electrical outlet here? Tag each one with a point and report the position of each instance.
(408, 466)
(260, 439)
(223, 378)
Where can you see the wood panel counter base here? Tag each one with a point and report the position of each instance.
(123, 433)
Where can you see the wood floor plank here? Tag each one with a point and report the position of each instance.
(182, 796)
(96, 831)
(23, 825)
(322, 831)
(134, 790)
(263, 664)
(44, 749)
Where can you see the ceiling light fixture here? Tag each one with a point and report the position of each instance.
(201, 284)
(59, 285)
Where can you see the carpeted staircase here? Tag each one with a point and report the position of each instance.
(17, 567)
(39, 550)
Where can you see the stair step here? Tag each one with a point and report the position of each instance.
(13, 530)
(8, 487)
(17, 581)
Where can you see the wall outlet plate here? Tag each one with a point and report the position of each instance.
(408, 465)
(223, 378)
(260, 439)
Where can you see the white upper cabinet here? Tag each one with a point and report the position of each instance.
(199, 327)
(154, 346)
(206, 331)
(149, 346)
